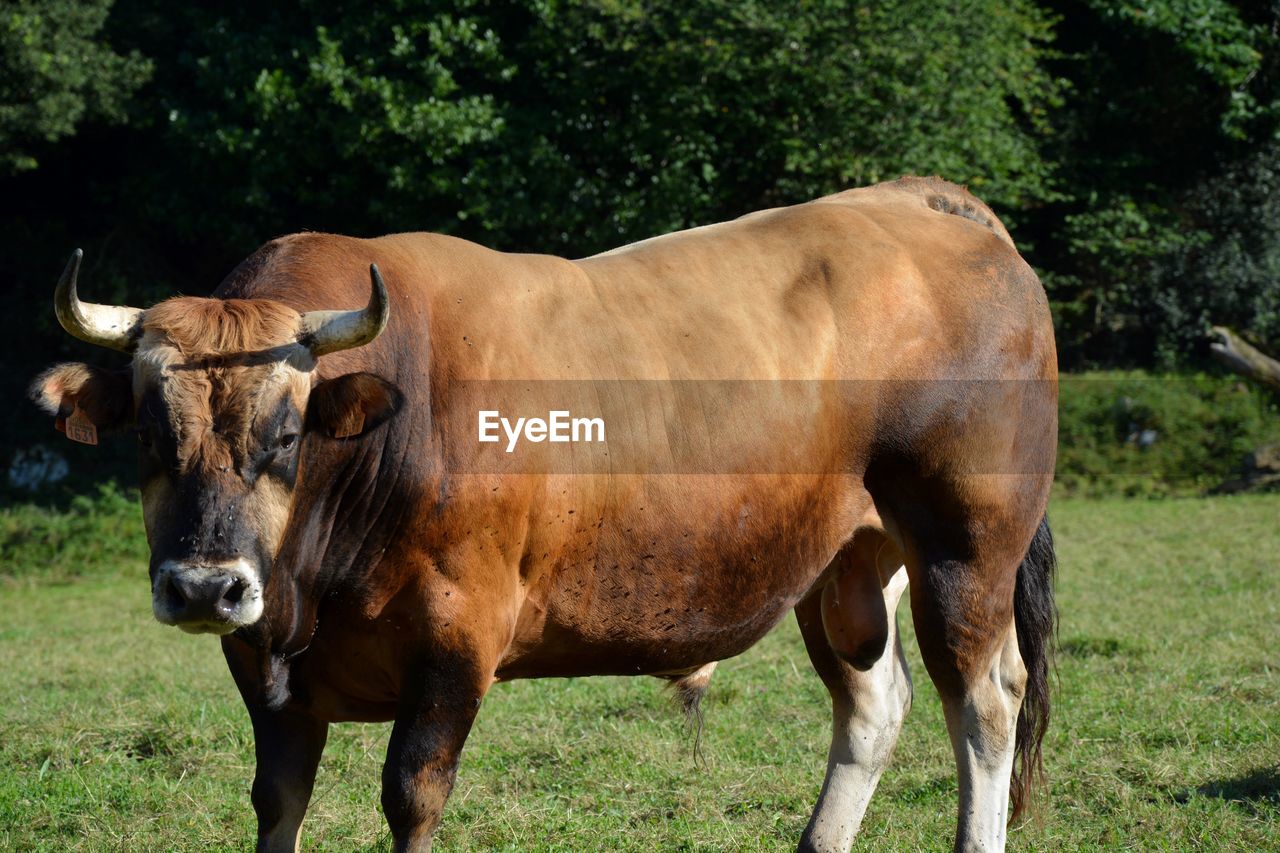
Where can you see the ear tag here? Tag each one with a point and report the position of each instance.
(79, 428)
(352, 424)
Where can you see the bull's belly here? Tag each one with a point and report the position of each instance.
(672, 639)
(695, 588)
(661, 587)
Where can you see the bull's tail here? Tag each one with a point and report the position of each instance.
(691, 687)
(1035, 616)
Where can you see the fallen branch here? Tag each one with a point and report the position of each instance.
(1241, 357)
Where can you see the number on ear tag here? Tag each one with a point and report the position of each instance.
(79, 428)
(352, 424)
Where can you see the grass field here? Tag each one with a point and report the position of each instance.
(118, 733)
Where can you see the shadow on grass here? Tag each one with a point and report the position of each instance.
(1254, 791)
(1091, 647)
(940, 787)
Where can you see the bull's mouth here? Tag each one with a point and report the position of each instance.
(218, 628)
(207, 598)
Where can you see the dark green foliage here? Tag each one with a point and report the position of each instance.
(56, 72)
(1131, 146)
(575, 127)
(1228, 275)
(629, 119)
(1167, 125)
(364, 118)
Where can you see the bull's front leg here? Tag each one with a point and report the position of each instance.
(287, 743)
(288, 746)
(437, 708)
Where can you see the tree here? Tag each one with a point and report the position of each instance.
(577, 126)
(56, 72)
(628, 119)
(1167, 127)
(1228, 272)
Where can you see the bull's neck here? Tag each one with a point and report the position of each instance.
(351, 506)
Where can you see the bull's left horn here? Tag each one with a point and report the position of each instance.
(324, 332)
(114, 326)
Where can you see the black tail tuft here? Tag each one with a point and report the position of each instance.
(1036, 618)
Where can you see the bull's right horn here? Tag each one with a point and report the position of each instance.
(113, 326)
(324, 332)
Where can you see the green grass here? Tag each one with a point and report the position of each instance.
(116, 732)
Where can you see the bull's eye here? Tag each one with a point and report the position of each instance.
(287, 441)
(144, 436)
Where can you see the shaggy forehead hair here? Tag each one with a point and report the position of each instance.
(204, 328)
(214, 358)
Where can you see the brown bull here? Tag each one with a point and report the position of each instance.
(803, 409)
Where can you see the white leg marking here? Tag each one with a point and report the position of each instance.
(982, 726)
(862, 739)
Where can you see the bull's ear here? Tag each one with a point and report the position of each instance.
(91, 397)
(352, 404)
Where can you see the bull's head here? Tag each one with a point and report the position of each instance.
(220, 393)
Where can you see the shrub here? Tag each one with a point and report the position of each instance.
(96, 534)
(1140, 434)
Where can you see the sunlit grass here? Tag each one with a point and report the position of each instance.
(119, 733)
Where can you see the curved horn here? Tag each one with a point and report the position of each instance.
(324, 332)
(113, 326)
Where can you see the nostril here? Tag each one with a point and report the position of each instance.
(228, 600)
(173, 595)
(235, 592)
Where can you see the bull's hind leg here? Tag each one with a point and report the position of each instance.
(968, 613)
(851, 632)
(970, 649)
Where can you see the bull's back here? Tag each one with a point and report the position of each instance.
(850, 287)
